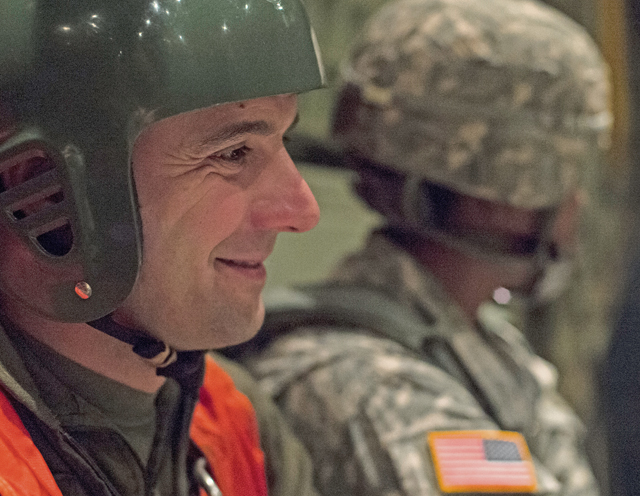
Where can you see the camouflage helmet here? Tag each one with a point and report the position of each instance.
(79, 79)
(501, 100)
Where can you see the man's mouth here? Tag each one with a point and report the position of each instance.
(244, 264)
(249, 269)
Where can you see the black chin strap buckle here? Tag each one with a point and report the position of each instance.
(186, 367)
(160, 360)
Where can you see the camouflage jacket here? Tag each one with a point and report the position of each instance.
(363, 404)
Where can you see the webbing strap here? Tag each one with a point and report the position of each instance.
(346, 306)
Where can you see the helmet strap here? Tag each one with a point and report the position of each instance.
(421, 215)
(186, 367)
(422, 210)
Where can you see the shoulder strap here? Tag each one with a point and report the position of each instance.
(346, 306)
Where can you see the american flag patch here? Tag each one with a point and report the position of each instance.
(482, 461)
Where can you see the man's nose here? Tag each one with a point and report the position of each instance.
(287, 204)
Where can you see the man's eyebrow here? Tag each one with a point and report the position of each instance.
(234, 130)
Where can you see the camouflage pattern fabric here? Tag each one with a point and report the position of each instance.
(501, 100)
(363, 405)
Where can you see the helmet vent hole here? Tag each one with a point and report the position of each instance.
(37, 202)
(58, 241)
(23, 167)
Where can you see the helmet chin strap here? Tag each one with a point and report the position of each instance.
(186, 367)
(551, 273)
(550, 269)
(551, 283)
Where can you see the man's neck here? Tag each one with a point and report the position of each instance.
(90, 348)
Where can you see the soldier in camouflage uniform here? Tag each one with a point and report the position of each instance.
(468, 123)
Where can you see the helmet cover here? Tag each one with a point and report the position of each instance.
(501, 100)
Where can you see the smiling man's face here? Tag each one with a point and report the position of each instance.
(215, 186)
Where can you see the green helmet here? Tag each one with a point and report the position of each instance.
(75, 75)
(502, 100)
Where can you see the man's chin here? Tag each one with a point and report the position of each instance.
(232, 335)
(241, 334)
(226, 326)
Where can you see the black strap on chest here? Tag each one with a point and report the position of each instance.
(348, 306)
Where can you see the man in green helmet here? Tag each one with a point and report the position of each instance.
(467, 124)
(143, 182)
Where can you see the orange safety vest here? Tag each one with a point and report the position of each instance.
(224, 427)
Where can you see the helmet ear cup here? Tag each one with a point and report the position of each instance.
(33, 199)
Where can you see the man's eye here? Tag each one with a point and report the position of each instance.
(233, 155)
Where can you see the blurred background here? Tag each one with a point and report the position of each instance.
(574, 332)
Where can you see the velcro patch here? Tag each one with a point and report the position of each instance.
(482, 462)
